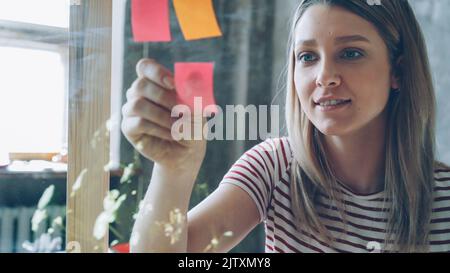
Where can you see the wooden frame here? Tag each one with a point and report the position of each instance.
(89, 111)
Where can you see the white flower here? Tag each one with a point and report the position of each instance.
(140, 146)
(44, 244)
(114, 194)
(95, 138)
(214, 242)
(57, 221)
(46, 197)
(168, 229)
(212, 245)
(77, 185)
(128, 172)
(108, 166)
(228, 234)
(119, 202)
(110, 199)
(102, 224)
(38, 216)
(111, 204)
(176, 217)
(113, 122)
(174, 227)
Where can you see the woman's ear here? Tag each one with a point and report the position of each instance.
(394, 82)
(395, 74)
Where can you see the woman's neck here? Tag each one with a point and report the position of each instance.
(358, 159)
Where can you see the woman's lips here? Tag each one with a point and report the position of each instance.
(329, 108)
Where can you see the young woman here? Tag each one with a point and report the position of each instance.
(357, 170)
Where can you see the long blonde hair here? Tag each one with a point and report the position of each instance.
(410, 136)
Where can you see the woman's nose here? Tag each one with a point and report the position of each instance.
(328, 76)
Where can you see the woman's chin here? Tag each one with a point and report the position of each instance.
(332, 130)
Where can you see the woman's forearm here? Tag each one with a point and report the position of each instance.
(161, 224)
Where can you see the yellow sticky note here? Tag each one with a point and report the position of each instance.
(197, 19)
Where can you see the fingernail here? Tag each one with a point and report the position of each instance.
(168, 81)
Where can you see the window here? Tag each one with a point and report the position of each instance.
(36, 83)
(34, 111)
(34, 54)
(43, 12)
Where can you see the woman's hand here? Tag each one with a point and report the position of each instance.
(147, 120)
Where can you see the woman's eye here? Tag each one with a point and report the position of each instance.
(306, 58)
(352, 54)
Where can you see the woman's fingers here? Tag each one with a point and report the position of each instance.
(142, 107)
(150, 69)
(136, 127)
(142, 87)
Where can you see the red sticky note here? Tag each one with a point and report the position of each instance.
(194, 82)
(150, 20)
(122, 248)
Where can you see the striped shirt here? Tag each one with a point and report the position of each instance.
(263, 172)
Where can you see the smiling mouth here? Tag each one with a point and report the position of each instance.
(333, 103)
(332, 106)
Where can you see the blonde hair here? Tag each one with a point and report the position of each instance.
(410, 136)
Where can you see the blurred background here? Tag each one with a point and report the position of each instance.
(249, 59)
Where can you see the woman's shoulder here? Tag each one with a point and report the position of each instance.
(276, 142)
(274, 151)
(278, 146)
(442, 172)
(439, 165)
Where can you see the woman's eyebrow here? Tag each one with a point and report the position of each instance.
(351, 38)
(337, 40)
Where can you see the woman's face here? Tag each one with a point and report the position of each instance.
(342, 70)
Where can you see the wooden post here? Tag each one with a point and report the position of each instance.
(89, 111)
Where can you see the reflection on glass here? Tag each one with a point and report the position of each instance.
(33, 106)
(31, 100)
(43, 12)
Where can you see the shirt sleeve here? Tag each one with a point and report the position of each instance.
(256, 170)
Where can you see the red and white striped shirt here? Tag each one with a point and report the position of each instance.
(263, 172)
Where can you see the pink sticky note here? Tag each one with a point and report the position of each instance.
(196, 80)
(150, 20)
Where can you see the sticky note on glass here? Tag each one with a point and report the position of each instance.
(197, 19)
(150, 20)
(194, 83)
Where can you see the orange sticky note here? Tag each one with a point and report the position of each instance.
(194, 83)
(150, 20)
(197, 19)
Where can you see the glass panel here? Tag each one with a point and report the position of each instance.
(31, 100)
(42, 12)
(249, 56)
(248, 60)
(33, 124)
